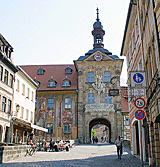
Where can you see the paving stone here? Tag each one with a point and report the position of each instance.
(97, 155)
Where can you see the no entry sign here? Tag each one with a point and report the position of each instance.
(139, 103)
(139, 114)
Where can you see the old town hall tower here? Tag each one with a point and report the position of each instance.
(99, 99)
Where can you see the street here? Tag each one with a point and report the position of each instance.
(98, 155)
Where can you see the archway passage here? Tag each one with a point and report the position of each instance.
(98, 121)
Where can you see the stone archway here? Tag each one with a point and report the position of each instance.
(98, 121)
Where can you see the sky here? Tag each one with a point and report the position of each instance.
(59, 31)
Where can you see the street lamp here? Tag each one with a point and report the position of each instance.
(17, 107)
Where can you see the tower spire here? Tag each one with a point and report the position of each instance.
(98, 33)
(97, 14)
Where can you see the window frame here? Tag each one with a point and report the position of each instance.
(4, 100)
(23, 89)
(11, 80)
(50, 128)
(67, 103)
(107, 99)
(67, 128)
(6, 77)
(91, 98)
(50, 105)
(1, 73)
(9, 106)
(90, 77)
(107, 78)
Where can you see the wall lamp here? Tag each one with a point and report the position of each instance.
(17, 107)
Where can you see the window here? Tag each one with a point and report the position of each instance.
(28, 92)
(32, 95)
(4, 104)
(107, 98)
(49, 126)
(52, 83)
(23, 89)
(22, 112)
(67, 128)
(67, 103)
(107, 76)
(68, 70)
(50, 103)
(36, 103)
(66, 82)
(11, 81)
(90, 76)
(6, 77)
(9, 107)
(127, 121)
(91, 98)
(31, 117)
(40, 71)
(27, 112)
(1, 73)
(17, 89)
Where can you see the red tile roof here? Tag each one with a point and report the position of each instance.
(55, 71)
(124, 99)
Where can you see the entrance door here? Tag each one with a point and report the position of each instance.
(100, 121)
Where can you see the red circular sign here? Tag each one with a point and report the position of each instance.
(139, 114)
(139, 103)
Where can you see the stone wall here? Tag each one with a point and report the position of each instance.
(12, 152)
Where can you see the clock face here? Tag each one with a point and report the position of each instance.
(98, 56)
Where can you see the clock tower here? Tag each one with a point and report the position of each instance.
(98, 76)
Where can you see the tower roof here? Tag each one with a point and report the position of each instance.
(97, 24)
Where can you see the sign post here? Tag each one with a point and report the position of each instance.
(138, 85)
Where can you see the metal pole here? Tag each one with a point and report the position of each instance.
(141, 141)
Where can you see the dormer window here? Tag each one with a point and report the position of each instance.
(66, 82)
(41, 71)
(52, 83)
(68, 70)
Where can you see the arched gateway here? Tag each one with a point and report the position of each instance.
(98, 88)
(101, 121)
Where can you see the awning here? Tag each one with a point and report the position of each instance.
(39, 128)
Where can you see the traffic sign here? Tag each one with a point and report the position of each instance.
(139, 114)
(137, 78)
(139, 103)
(138, 91)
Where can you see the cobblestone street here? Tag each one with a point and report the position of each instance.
(98, 155)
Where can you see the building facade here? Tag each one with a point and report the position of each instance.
(56, 100)
(141, 48)
(7, 75)
(125, 113)
(24, 108)
(98, 75)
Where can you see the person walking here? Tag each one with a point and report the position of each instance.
(119, 144)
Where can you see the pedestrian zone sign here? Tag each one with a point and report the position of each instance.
(137, 78)
(139, 114)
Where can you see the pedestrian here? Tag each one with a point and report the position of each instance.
(102, 139)
(51, 145)
(119, 144)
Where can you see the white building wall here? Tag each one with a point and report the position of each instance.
(21, 99)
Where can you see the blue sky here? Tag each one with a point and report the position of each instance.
(59, 31)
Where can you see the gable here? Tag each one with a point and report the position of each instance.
(99, 56)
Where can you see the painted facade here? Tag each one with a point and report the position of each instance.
(141, 48)
(56, 100)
